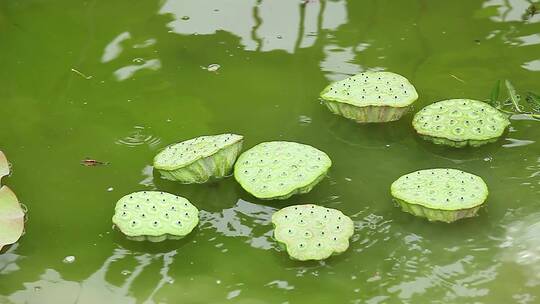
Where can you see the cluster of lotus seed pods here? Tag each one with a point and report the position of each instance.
(279, 169)
(370, 97)
(460, 122)
(199, 159)
(311, 232)
(155, 216)
(440, 194)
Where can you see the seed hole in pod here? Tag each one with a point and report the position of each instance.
(133, 223)
(322, 232)
(301, 245)
(125, 206)
(290, 231)
(461, 198)
(178, 223)
(363, 97)
(138, 206)
(155, 223)
(335, 238)
(124, 213)
(131, 197)
(246, 162)
(318, 244)
(153, 207)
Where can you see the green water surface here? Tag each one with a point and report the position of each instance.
(116, 80)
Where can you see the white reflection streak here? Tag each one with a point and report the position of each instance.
(114, 48)
(128, 71)
(256, 22)
(168, 259)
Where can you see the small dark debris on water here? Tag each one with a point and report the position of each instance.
(477, 41)
(88, 162)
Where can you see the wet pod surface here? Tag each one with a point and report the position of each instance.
(441, 189)
(311, 232)
(461, 119)
(184, 153)
(372, 89)
(279, 168)
(155, 213)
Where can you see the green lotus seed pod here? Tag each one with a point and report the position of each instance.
(199, 159)
(280, 169)
(460, 122)
(311, 232)
(440, 194)
(370, 97)
(155, 216)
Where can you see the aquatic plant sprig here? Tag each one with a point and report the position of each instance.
(513, 103)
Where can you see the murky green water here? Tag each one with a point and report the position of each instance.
(144, 83)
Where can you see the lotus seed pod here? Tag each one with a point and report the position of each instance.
(370, 97)
(199, 159)
(280, 169)
(155, 216)
(460, 122)
(310, 232)
(443, 195)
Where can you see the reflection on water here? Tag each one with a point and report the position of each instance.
(8, 260)
(244, 220)
(521, 246)
(256, 23)
(51, 288)
(127, 72)
(394, 257)
(114, 48)
(510, 10)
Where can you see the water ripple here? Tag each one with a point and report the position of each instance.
(137, 137)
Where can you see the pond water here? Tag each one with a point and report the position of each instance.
(118, 80)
